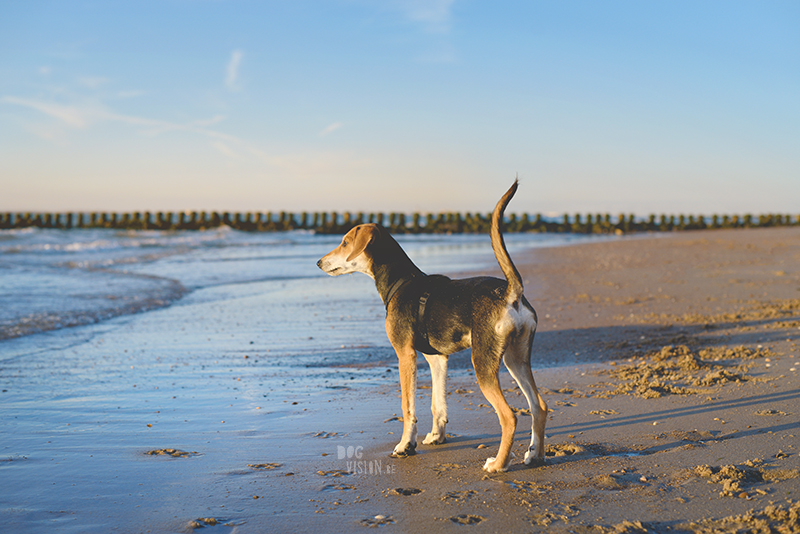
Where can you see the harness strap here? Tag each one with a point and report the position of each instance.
(421, 337)
(393, 290)
(423, 300)
(422, 329)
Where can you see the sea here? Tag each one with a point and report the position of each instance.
(51, 280)
(229, 347)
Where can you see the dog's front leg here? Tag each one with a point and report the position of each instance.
(407, 358)
(438, 365)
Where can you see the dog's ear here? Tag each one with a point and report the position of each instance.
(364, 235)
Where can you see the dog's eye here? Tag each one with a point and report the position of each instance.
(344, 243)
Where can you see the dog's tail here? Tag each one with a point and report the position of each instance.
(514, 290)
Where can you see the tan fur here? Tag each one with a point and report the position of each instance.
(508, 338)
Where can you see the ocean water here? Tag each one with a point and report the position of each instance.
(56, 279)
(231, 345)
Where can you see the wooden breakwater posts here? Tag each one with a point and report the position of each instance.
(339, 223)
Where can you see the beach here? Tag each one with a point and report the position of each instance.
(669, 363)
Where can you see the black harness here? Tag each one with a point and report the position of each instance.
(392, 290)
(421, 341)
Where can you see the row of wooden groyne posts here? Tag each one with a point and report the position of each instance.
(338, 223)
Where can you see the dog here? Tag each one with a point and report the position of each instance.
(438, 316)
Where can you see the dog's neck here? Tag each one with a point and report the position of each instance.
(390, 275)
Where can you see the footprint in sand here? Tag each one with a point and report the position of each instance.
(212, 521)
(377, 521)
(467, 519)
(404, 491)
(564, 449)
(175, 453)
(458, 496)
(441, 468)
(264, 466)
(770, 412)
(338, 487)
(333, 473)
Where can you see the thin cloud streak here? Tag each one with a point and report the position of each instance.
(232, 76)
(82, 117)
(225, 149)
(68, 114)
(434, 15)
(330, 129)
(296, 164)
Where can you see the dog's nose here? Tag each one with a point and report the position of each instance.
(319, 264)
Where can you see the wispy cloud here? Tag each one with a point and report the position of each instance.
(224, 149)
(330, 129)
(129, 94)
(434, 19)
(208, 122)
(435, 16)
(93, 82)
(86, 115)
(71, 115)
(232, 71)
(82, 116)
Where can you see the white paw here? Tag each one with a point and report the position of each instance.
(531, 458)
(403, 450)
(435, 439)
(492, 466)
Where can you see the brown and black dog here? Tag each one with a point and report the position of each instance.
(438, 316)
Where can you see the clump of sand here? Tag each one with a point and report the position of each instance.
(677, 370)
(773, 518)
(548, 517)
(626, 527)
(731, 477)
(736, 479)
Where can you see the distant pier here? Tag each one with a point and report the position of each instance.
(339, 223)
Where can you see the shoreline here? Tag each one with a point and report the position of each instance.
(75, 452)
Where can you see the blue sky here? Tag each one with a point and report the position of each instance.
(400, 105)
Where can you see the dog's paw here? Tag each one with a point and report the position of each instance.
(533, 460)
(404, 451)
(493, 466)
(434, 439)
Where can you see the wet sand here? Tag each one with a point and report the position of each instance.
(670, 365)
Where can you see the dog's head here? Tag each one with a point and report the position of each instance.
(352, 254)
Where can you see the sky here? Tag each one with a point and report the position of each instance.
(400, 105)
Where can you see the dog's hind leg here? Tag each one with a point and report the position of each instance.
(486, 371)
(407, 358)
(438, 365)
(518, 363)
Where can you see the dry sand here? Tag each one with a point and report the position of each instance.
(672, 379)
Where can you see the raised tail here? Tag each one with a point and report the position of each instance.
(514, 290)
